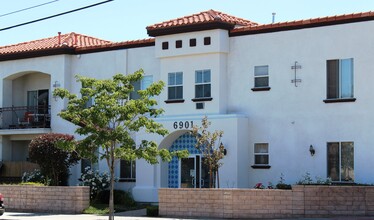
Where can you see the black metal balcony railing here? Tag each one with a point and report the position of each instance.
(20, 117)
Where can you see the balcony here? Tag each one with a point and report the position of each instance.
(25, 117)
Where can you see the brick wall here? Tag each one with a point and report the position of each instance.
(301, 201)
(51, 199)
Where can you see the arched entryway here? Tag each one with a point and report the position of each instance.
(188, 172)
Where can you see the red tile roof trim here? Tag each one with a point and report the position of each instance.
(115, 46)
(201, 21)
(299, 24)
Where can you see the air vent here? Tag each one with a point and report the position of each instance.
(200, 105)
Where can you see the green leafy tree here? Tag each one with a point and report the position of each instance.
(209, 144)
(113, 120)
(54, 162)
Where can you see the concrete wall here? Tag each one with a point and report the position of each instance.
(301, 201)
(51, 199)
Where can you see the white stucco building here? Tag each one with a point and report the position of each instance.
(290, 97)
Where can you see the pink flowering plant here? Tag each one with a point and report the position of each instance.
(259, 186)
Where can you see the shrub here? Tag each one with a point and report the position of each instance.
(283, 186)
(152, 211)
(307, 180)
(35, 176)
(95, 180)
(120, 198)
(54, 162)
(281, 183)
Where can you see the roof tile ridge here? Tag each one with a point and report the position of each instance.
(215, 15)
(28, 42)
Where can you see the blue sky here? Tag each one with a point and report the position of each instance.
(122, 20)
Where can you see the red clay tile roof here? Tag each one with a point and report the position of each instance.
(70, 40)
(71, 43)
(307, 23)
(202, 20)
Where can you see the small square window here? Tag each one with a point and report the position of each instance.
(193, 42)
(165, 45)
(207, 41)
(178, 44)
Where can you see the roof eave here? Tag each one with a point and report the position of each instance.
(117, 46)
(154, 32)
(37, 53)
(291, 26)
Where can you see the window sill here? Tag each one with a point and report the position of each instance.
(261, 166)
(174, 101)
(202, 99)
(256, 89)
(339, 100)
(127, 180)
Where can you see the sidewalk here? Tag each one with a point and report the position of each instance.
(133, 215)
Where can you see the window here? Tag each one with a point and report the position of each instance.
(193, 42)
(141, 85)
(207, 41)
(261, 76)
(127, 171)
(178, 44)
(339, 79)
(175, 85)
(340, 161)
(146, 82)
(261, 153)
(85, 164)
(202, 84)
(165, 45)
(38, 101)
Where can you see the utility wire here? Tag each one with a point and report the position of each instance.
(25, 9)
(56, 15)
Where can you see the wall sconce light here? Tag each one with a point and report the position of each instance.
(56, 85)
(223, 149)
(312, 150)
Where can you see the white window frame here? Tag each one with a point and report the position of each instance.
(146, 82)
(141, 85)
(340, 85)
(175, 85)
(340, 160)
(132, 175)
(258, 74)
(261, 154)
(203, 82)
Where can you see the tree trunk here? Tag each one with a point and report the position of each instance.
(217, 179)
(111, 195)
(210, 177)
